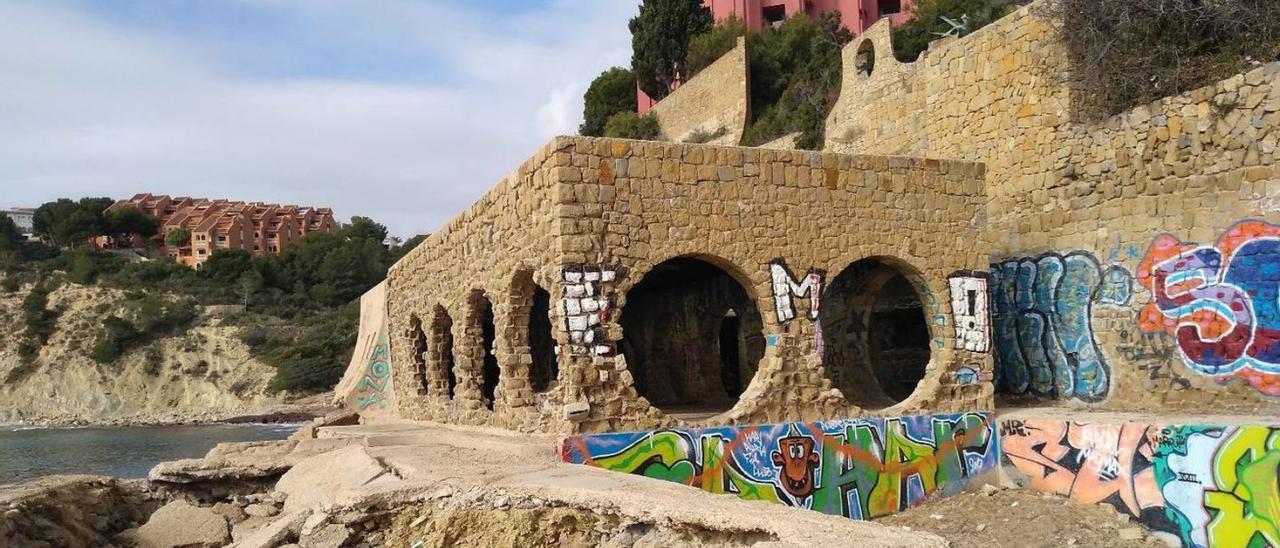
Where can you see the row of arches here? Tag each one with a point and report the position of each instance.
(693, 337)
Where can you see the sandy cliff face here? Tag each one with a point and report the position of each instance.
(204, 373)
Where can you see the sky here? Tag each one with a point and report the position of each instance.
(403, 111)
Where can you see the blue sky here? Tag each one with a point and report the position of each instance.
(404, 111)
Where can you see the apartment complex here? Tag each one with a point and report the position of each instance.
(256, 227)
(855, 15)
(23, 217)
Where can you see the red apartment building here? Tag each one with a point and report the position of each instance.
(857, 16)
(260, 229)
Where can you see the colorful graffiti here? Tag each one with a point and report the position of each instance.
(858, 468)
(969, 308)
(1221, 303)
(1045, 344)
(372, 389)
(1200, 485)
(785, 287)
(586, 305)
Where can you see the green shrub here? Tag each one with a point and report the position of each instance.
(309, 356)
(710, 46)
(612, 92)
(927, 22)
(629, 125)
(11, 284)
(113, 339)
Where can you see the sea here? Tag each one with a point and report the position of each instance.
(123, 452)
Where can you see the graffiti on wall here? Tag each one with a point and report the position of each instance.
(1221, 303)
(1200, 485)
(372, 389)
(785, 287)
(587, 303)
(858, 468)
(1042, 313)
(969, 308)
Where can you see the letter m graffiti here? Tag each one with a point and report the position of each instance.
(785, 286)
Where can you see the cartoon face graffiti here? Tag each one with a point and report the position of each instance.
(796, 462)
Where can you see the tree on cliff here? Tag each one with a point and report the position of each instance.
(126, 220)
(10, 236)
(660, 37)
(67, 223)
(612, 92)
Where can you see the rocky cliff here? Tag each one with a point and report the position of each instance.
(199, 374)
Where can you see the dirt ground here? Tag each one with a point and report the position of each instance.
(1018, 518)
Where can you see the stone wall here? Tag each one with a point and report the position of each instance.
(715, 102)
(589, 219)
(1091, 222)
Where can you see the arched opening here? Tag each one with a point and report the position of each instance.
(866, 58)
(544, 370)
(692, 338)
(441, 351)
(531, 315)
(482, 321)
(418, 348)
(875, 334)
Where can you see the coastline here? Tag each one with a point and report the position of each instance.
(297, 411)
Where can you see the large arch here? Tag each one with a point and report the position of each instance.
(875, 332)
(481, 337)
(440, 351)
(534, 337)
(691, 336)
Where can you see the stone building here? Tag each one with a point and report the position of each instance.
(610, 284)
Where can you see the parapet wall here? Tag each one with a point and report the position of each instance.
(798, 251)
(1098, 228)
(716, 102)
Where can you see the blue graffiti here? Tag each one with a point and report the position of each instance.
(1043, 328)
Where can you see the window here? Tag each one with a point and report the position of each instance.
(257, 234)
(890, 7)
(271, 235)
(222, 239)
(257, 248)
(199, 252)
(774, 15)
(200, 237)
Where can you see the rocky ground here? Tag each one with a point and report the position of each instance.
(994, 517)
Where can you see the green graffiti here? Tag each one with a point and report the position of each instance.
(730, 479)
(665, 455)
(377, 377)
(1248, 499)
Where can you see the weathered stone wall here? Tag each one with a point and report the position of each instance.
(589, 218)
(1092, 304)
(713, 102)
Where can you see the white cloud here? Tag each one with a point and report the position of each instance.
(92, 107)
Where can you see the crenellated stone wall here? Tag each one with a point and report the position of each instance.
(715, 102)
(1092, 222)
(589, 219)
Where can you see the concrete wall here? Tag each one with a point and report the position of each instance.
(589, 219)
(853, 468)
(1093, 305)
(1193, 484)
(714, 101)
(366, 385)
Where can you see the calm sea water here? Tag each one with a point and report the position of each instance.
(123, 452)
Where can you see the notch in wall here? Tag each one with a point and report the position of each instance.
(586, 304)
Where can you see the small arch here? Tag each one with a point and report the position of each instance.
(531, 316)
(441, 352)
(875, 332)
(484, 357)
(692, 336)
(418, 346)
(866, 58)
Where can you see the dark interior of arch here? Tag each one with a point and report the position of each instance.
(691, 336)
(442, 339)
(542, 344)
(489, 370)
(418, 343)
(875, 334)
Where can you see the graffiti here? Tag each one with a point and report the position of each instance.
(785, 287)
(1045, 344)
(967, 376)
(373, 386)
(587, 302)
(857, 468)
(1220, 303)
(1200, 485)
(969, 308)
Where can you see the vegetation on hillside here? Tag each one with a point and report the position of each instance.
(1125, 54)
(660, 36)
(612, 92)
(306, 294)
(629, 125)
(933, 19)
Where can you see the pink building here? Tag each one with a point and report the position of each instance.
(857, 16)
